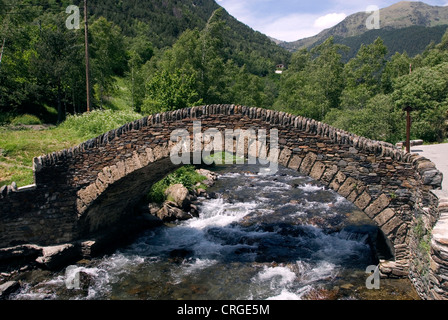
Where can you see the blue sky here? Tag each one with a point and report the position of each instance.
(290, 20)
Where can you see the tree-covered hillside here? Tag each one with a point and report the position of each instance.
(153, 56)
(412, 40)
(367, 94)
(130, 46)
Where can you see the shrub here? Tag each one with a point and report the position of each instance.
(187, 176)
(95, 123)
(26, 119)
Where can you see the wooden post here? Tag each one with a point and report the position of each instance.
(87, 56)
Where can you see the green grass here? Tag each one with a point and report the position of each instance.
(26, 119)
(95, 123)
(19, 147)
(223, 158)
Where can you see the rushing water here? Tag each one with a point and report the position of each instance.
(262, 237)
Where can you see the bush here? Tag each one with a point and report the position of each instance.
(95, 123)
(187, 176)
(26, 119)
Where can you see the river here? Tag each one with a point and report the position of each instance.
(260, 237)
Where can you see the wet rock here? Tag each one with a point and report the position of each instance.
(18, 256)
(7, 288)
(180, 254)
(194, 211)
(170, 212)
(57, 256)
(212, 195)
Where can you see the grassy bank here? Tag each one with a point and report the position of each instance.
(19, 145)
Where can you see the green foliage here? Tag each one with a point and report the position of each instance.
(378, 120)
(108, 56)
(95, 123)
(170, 91)
(26, 119)
(313, 84)
(157, 55)
(413, 40)
(223, 158)
(187, 176)
(19, 147)
(365, 69)
(426, 91)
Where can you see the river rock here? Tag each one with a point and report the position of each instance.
(18, 256)
(179, 195)
(170, 212)
(211, 176)
(7, 288)
(57, 256)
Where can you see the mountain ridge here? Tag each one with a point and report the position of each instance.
(400, 15)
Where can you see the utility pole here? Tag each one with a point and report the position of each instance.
(87, 56)
(408, 111)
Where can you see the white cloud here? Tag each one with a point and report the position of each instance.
(290, 27)
(279, 20)
(296, 26)
(329, 20)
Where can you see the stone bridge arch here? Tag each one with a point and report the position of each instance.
(83, 190)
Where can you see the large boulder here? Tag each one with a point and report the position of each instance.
(56, 257)
(179, 195)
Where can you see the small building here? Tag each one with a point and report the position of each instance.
(279, 68)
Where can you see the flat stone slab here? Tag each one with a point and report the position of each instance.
(440, 231)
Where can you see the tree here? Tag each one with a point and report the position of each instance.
(426, 91)
(399, 65)
(108, 56)
(313, 84)
(363, 75)
(170, 91)
(378, 120)
(58, 63)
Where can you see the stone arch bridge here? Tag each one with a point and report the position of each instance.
(89, 189)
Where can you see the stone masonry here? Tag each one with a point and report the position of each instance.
(90, 189)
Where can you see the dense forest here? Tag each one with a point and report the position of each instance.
(157, 55)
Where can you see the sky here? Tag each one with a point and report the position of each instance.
(291, 20)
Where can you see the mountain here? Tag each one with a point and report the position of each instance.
(165, 20)
(401, 15)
